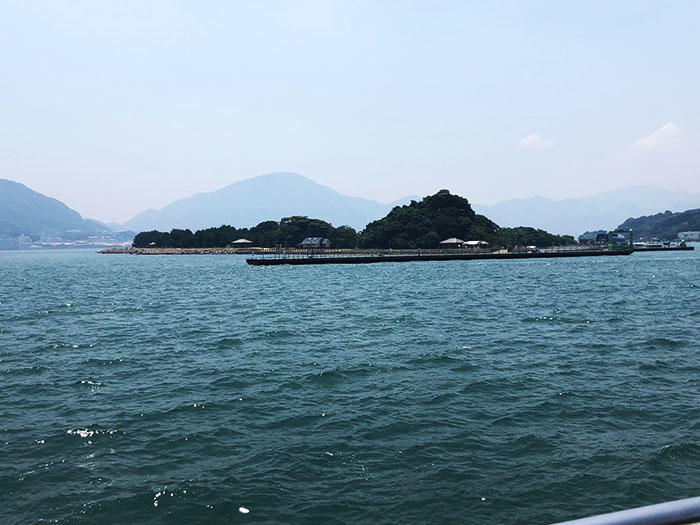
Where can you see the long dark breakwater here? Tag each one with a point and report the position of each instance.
(383, 256)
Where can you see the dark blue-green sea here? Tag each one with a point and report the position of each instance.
(190, 389)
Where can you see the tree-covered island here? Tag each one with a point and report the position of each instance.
(416, 225)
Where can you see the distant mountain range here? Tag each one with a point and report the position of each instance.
(24, 211)
(267, 197)
(603, 211)
(277, 195)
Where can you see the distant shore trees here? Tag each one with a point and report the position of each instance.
(665, 225)
(288, 232)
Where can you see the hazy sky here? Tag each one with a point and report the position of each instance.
(118, 107)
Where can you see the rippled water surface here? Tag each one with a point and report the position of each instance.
(178, 389)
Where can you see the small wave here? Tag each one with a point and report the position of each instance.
(335, 375)
(495, 384)
(506, 421)
(229, 382)
(61, 344)
(95, 361)
(555, 319)
(124, 309)
(439, 399)
(658, 364)
(89, 382)
(296, 421)
(26, 371)
(291, 385)
(437, 359)
(87, 432)
(465, 367)
(664, 342)
(396, 428)
(530, 444)
(281, 334)
(598, 345)
(677, 452)
(228, 342)
(164, 493)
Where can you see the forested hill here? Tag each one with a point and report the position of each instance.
(443, 215)
(424, 224)
(663, 225)
(417, 225)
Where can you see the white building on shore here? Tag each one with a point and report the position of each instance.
(689, 236)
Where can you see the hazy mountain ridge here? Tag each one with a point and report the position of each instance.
(276, 195)
(24, 211)
(602, 211)
(251, 201)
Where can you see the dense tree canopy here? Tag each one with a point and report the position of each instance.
(424, 224)
(289, 232)
(417, 225)
(441, 216)
(526, 236)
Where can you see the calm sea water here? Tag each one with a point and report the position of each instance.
(178, 389)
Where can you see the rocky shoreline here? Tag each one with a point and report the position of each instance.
(182, 251)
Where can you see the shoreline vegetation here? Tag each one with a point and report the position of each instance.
(666, 225)
(418, 225)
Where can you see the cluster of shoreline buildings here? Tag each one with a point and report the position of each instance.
(69, 239)
(689, 236)
(602, 237)
(11, 242)
(453, 242)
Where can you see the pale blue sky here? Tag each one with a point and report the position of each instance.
(118, 107)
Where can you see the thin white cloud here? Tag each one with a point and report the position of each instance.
(666, 136)
(535, 143)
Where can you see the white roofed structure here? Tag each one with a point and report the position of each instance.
(452, 242)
